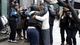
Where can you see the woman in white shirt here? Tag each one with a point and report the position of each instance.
(45, 32)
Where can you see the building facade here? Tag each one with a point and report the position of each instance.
(4, 5)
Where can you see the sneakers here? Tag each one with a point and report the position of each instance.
(26, 40)
(12, 41)
(21, 38)
(9, 40)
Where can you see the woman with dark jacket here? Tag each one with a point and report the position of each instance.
(72, 30)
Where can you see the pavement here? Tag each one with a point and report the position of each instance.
(56, 37)
(18, 43)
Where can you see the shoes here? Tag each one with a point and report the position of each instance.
(67, 44)
(9, 40)
(62, 43)
(26, 40)
(21, 38)
(12, 41)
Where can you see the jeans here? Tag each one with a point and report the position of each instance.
(51, 21)
(45, 37)
(62, 31)
(33, 36)
(71, 35)
(12, 23)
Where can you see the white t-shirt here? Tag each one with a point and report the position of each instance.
(45, 20)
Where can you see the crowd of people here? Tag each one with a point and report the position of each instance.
(41, 16)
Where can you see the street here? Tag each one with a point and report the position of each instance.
(56, 37)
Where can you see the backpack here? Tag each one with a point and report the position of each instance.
(53, 9)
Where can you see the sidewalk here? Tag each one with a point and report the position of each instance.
(56, 37)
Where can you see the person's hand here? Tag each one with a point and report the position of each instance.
(33, 16)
